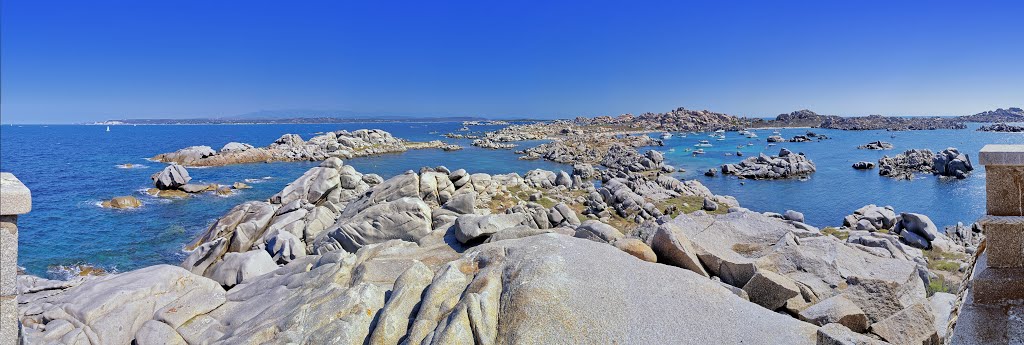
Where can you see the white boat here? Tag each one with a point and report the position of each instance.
(698, 152)
(776, 132)
(108, 128)
(720, 131)
(751, 135)
(720, 138)
(703, 143)
(666, 135)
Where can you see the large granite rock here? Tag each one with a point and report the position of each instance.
(471, 227)
(871, 218)
(171, 177)
(405, 219)
(950, 162)
(785, 165)
(113, 308)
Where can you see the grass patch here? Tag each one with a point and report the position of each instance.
(688, 204)
(944, 261)
(547, 202)
(942, 284)
(835, 232)
(944, 265)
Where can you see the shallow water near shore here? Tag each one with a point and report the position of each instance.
(70, 169)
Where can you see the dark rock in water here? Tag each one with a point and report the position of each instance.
(776, 139)
(739, 153)
(1002, 127)
(711, 172)
(950, 162)
(785, 165)
(709, 205)
(876, 145)
(862, 165)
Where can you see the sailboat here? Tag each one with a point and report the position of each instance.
(108, 128)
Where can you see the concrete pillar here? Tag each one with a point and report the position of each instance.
(15, 199)
(1002, 276)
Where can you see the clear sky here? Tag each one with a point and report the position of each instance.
(76, 61)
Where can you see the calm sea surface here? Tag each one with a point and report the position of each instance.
(70, 169)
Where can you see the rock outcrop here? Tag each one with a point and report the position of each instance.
(786, 165)
(291, 147)
(876, 145)
(948, 162)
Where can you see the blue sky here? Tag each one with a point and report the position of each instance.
(76, 61)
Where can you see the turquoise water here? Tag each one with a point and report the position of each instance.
(70, 169)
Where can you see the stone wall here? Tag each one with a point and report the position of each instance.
(15, 199)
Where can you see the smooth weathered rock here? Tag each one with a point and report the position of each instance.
(400, 309)
(171, 177)
(236, 268)
(636, 248)
(406, 219)
(470, 227)
(598, 231)
(551, 281)
(122, 202)
(114, 308)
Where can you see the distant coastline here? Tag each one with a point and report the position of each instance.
(304, 120)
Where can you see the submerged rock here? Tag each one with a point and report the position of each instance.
(122, 202)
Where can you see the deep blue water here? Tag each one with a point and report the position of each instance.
(70, 169)
(836, 189)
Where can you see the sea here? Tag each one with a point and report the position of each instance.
(71, 169)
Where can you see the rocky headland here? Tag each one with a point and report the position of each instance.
(291, 147)
(807, 118)
(1011, 114)
(1001, 127)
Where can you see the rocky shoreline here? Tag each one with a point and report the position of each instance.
(1001, 127)
(291, 147)
(443, 256)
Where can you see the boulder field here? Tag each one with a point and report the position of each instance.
(441, 256)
